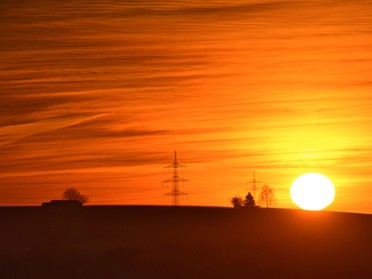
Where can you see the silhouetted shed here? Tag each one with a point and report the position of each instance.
(62, 203)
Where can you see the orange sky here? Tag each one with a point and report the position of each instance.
(97, 95)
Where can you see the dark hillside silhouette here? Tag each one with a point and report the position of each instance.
(184, 242)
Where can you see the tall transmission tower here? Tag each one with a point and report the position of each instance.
(176, 181)
(254, 184)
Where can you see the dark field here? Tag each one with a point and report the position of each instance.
(185, 242)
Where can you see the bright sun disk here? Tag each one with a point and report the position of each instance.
(312, 191)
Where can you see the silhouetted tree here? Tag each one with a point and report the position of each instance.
(74, 195)
(249, 200)
(267, 196)
(237, 202)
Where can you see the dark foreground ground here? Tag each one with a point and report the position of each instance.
(190, 242)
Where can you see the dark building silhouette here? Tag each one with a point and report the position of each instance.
(62, 204)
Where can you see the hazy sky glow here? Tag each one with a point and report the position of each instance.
(98, 94)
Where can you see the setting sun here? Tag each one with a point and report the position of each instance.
(312, 191)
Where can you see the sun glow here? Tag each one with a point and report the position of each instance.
(312, 191)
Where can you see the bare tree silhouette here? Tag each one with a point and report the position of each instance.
(74, 195)
(267, 196)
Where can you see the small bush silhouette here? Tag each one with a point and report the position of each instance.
(237, 202)
(249, 201)
(74, 195)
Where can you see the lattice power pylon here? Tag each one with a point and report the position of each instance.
(254, 185)
(176, 181)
